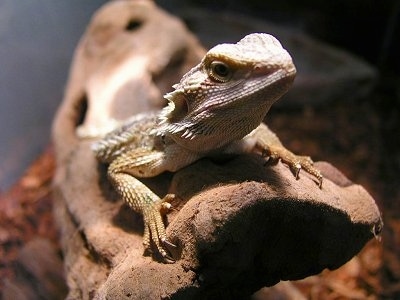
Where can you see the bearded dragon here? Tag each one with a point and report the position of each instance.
(217, 108)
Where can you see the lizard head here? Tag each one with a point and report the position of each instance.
(228, 94)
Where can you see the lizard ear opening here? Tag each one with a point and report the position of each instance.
(180, 108)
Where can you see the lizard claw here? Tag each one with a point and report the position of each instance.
(168, 259)
(165, 255)
(295, 168)
(320, 179)
(271, 158)
(168, 243)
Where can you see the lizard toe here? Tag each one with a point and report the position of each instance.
(154, 231)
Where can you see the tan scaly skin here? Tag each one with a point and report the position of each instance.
(216, 108)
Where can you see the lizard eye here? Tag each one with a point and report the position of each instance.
(220, 71)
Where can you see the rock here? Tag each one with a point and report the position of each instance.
(238, 225)
(39, 273)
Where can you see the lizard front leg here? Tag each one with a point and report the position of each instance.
(122, 172)
(269, 144)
